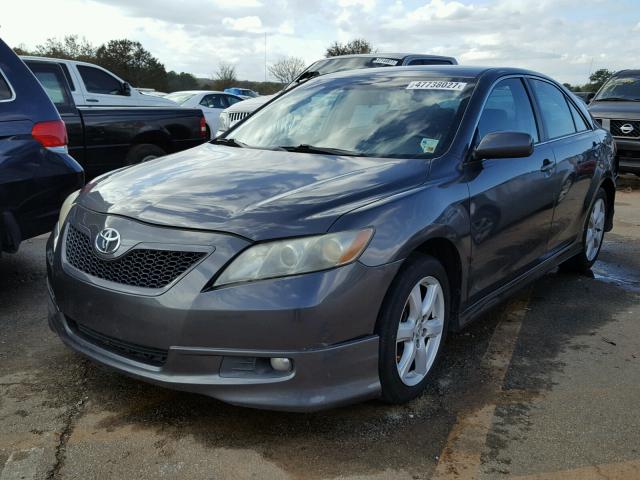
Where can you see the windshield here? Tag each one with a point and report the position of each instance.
(407, 115)
(621, 88)
(179, 97)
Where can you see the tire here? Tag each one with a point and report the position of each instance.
(208, 130)
(143, 153)
(429, 276)
(592, 236)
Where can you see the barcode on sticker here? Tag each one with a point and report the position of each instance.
(386, 61)
(436, 85)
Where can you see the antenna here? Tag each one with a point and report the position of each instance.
(265, 56)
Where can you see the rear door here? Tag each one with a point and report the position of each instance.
(511, 204)
(575, 148)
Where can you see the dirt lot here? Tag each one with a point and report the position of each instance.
(545, 387)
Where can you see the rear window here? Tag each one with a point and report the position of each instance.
(333, 65)
(5, 90)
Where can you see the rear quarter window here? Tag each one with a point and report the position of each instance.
(52, 79)
(6, 93)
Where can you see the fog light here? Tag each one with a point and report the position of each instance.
(281, 364)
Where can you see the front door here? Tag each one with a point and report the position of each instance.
(511, 199)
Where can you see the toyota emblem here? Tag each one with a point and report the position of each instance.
(108, 241)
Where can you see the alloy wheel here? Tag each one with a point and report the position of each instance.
(595, 229)
(420, 331)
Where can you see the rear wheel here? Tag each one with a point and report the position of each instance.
(592, 236)
(412, 327)
(143, 153)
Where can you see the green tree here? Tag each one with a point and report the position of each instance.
(70, 47)
(355, 46)
(129, 60)
(181, 81)
(597, 79)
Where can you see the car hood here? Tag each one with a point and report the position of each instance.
(621, 110)
(250, 104)
(258, 194)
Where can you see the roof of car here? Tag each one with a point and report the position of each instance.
(627, 72)
(389, 55)
(195, 92)
(434, 70)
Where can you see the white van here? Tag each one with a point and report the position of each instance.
(93, 86)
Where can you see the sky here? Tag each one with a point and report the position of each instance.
(565, 39)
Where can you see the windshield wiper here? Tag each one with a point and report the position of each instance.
(304, 148)
(617, 99)
(229, 142)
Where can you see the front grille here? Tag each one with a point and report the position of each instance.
(237, 116)
(145, 268)
(149, 355)
(625, 128)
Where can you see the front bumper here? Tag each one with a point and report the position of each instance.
(628, 155)
(218, 342)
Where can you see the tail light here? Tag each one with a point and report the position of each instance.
(51, 134)
(203, 127)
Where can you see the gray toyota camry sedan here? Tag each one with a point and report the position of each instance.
(320, 251)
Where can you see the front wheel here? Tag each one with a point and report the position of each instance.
(592, 236)
(143, 153)
(412, 327)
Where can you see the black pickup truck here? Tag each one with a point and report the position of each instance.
(616, 107)
(106, 138)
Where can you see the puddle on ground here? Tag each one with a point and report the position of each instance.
(616, 274)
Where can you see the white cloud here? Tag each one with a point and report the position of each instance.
(562, 38)
(251, 24)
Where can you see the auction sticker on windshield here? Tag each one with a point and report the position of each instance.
(436, 85)
(386, 61)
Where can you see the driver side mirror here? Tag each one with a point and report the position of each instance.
(504, 145)
(126, 89)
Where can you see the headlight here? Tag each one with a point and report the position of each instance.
(295, 256)
(223, 121)
(64, 211)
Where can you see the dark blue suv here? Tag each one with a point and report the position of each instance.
(36, 172)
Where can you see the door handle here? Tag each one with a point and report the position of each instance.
(547, 165)
(91, 100)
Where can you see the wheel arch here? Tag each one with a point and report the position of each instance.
(154, 137)
(609, 188)
(446, 252)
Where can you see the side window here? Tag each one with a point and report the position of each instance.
(231, 99)
(508, 109)
(581, 125)
(52, 80)
(5, 90)
(554, 109)
(206, 101)
(98, 81)
(67, 75)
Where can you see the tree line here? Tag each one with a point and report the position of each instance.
(131, 61)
